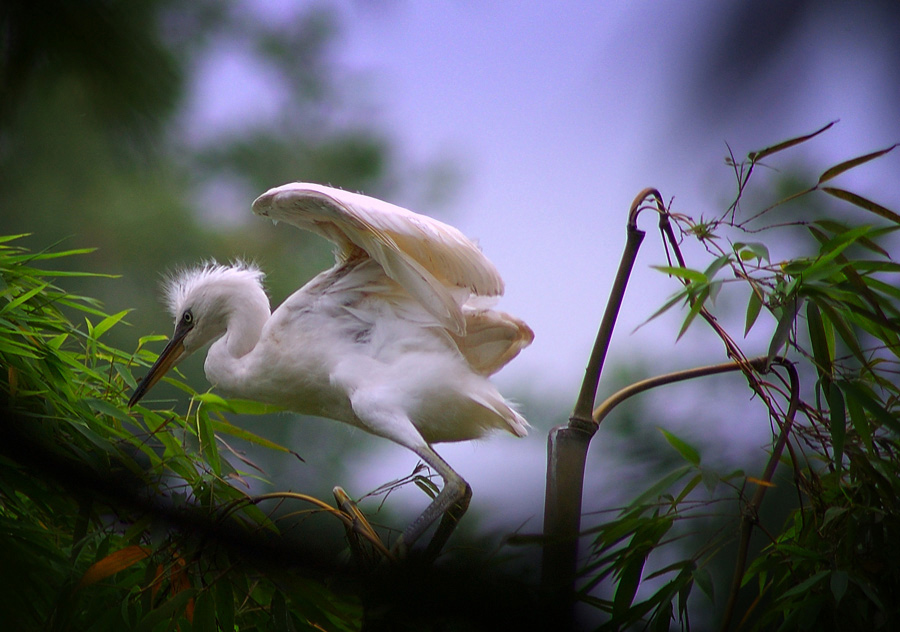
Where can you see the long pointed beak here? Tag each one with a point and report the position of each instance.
(166, 360)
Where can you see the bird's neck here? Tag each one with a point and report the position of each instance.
(243, 327)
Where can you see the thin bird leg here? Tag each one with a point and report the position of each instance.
(455, 494)
(448, 524)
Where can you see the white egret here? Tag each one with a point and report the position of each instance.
(397, 338)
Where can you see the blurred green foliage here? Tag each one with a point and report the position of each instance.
(111, 519)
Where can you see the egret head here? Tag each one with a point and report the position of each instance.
(202, 300)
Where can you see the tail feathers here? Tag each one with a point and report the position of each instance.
(505, 417)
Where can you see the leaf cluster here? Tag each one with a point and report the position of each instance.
(836, 317)
(120, 519)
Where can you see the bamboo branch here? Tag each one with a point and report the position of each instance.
(751, 513)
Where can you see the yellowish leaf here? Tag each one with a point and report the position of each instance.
(113, 563)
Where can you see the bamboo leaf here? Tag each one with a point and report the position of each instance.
(225, 605)
(844, 331)
(858, 417)
(177, 604)
(756, 156)
(849, 164)
(785, 326)
(752, 250)
(703, 578)
(863, 203)
(629, 580)
(208, 441)
(204, 619)
(870, 403)
(104, 325)
(653, 493)
(241, 433)
(806, 585)
(687, 274)
(697, 305)
(754, 307)
(113, 563)
(821, 351)
(24, 297)
(839, 583)
(677, 298)
(689, 452)
(838, 422)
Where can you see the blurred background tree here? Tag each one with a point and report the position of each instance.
(94, 148)
(97, 151)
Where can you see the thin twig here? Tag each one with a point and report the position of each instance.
(751, 512)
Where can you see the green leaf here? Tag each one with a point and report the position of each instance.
(822, 353)
(629, 580)
(857, 391)
(752, 250)
(208, 442)
(832, 513)
(687, 274)
(839, 583)
(24, 297)
(785, 325)
(653, 493)
(846, 333)
(858, 417)
(677, 298)
(697, 305)
(754, 307)
(225, 605)
(863, 203)
(703, 578)
(168, 610)
(756, 156)
(204, 613)
(838, 422)
(804, 586)
(687, 451)
(224, 427)
(104, 325)
(849, 164)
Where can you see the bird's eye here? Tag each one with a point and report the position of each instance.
(187, 318)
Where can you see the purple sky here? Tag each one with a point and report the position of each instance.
(556, 115)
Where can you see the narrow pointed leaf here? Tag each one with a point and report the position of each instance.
(849, 164)
(755, 156)
(687, 274)
(838, 422)
(104, 325)
(871, 404)
(839, 583)
(754, 306)
(785, 326)
(818, 340)
(863, 203)
(113, 563)
(689, 452)
(629, 580)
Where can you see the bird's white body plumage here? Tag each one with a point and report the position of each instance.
(356, 337)
(398, 338)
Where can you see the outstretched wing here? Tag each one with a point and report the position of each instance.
(437, 264)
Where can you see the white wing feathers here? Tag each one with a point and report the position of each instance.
(435, 262)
